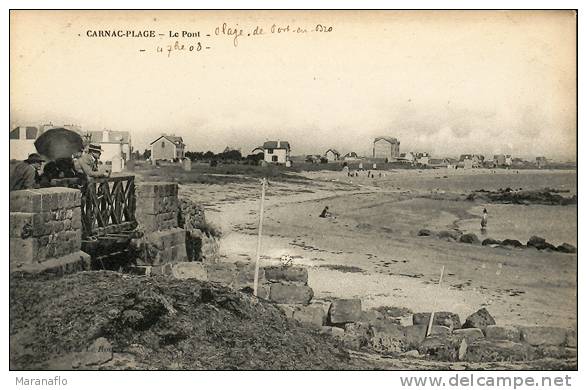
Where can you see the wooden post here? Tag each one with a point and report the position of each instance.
(256, 281)
(434, 306)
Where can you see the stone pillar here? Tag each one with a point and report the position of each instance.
(157, 207)
(45, 231)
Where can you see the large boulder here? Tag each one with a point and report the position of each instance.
(566, 248)
(344, 310)
(310, 315)
(449, 235)
(356, 335)
(490, 241)
(286, 274)
(480, 319)
(414, 335)
(387, 337)
(289, 293)
(469, 334)
(537, 242)
(512, 243)
(444, 318)
(469, 238)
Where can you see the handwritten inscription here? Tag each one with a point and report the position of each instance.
(196, 41)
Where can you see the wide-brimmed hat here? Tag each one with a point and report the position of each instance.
(95, 148)
(34, 158)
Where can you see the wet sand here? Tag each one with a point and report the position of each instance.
(371, 249)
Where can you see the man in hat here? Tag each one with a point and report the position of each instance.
(25, 174)
(87, 164)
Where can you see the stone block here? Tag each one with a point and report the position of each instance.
(414, 335)
(480, 319)
(189, 270)
(332, 331)
(178, 253)
(263, 291)
(157, 205)
(387, 337)
(245, 275)
(73, 262)
(372, 316)
(444, 318)
(469, 334)
(286, 274)
(543, 335)
(222, 273)
(571, 338)
(289, 293)
(155, 190)
(44, 199)
(311, 315)
(344, 310)
(156, 222)
(445, 348)
(440, 330)
(484, 350)
(288, 310)
(497, 332)
(356, 335)
(24, 251)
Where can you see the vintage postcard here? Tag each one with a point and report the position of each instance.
(293, 190)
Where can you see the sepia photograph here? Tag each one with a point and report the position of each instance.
(306, 190)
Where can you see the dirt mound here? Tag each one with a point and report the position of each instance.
(157, 323)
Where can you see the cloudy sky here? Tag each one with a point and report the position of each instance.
(443, 82)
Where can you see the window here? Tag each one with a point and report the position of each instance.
(269, 151)
(15, 134)
(274, 158)
(31, 133)
(162, 144)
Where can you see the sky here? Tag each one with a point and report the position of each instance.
(444, 82)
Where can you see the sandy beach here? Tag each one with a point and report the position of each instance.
(371, 250)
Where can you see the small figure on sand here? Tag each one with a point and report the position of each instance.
(325, 213)
(484, 220)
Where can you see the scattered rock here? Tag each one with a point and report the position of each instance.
(286, 273)
(480, 319)
(469, 238)
(187, 270)
(490, 241)
(356, 335)
(425, 233)
(440, 330)
(544, 335)
(444, 318)
(387, 337)
(413, 353)
(310, 315)
(344, 310)
(289, 293)
(566, 248)
(498, 332)
(332, 331)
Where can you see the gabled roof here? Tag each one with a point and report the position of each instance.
(391, 140)
(276, 145)
(171, 138)
(333, 151)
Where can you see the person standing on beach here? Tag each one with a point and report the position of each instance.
(484, 220)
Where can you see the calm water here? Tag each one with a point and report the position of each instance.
(557, 224)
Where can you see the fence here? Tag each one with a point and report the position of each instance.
(108, 206)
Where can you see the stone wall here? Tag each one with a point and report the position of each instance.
(157, 207)
(45, 231)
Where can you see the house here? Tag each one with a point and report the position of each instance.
(439, 162)
(541, 162)
(167, 147)
(22, 141)
(332, 155)
(386, 148)
(351, 156)
(115, 144)
(276, 152)
(407, 157)
(422, 158)
(476, 160)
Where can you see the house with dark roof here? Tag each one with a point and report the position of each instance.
(332, 155)
(167, 147)
(276, 152)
